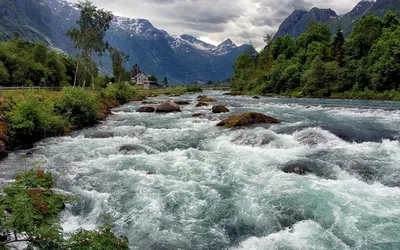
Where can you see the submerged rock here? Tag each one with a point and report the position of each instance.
(247, 119)
(220, 109)
(256, 97)
(182, 102)
(135, 149)
(201, 104)
(201, 96)
(297, 169)
(99, 134)
(311, 138)
(197, 115)
(168, 107)
(146, 110)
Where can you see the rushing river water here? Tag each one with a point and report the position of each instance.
(183, 183)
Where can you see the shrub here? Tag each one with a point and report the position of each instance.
(78, 106)
(121, 92)
(32, 119)
(30, 210)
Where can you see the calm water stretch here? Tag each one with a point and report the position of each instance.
(183, 183)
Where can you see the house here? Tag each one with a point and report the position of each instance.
(140, 79)
(151, 85)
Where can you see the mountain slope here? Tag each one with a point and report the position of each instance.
(297, 22)
(153, 49)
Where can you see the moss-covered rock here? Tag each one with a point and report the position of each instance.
(220, 109)
(247, 119)
(168, 107)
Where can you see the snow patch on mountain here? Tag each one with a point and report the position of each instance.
(226, 47)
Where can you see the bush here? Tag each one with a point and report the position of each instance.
(121, 92)
(78, 106)
(32, 119)
(193, 88)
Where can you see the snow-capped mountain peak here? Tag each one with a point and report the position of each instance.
(225, 47)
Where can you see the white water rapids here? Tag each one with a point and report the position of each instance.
(183, 183)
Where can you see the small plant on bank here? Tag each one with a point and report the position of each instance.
(121, 92)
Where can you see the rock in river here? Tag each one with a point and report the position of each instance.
(247, 119)
(201, 104)
(220, 109)
(146, 110)
(182, 102)
(297, 169)
(168, 107)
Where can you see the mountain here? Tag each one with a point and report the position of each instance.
(296, 23)
(157, 52)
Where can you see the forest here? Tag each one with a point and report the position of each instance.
(321, 64)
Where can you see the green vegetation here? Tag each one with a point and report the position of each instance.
(79, 107)
(93, 24)
(24, 63)
(366, 65)
(31, 214)
(121, 92)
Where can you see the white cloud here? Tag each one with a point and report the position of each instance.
(216, 20)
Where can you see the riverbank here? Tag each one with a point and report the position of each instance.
(27, 116)
(355, 95)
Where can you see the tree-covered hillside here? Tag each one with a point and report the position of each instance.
(318, 64)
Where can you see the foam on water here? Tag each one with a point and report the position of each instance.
(176, 182)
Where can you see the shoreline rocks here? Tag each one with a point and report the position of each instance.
(247, 119)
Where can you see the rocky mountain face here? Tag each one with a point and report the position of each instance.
(157, 52)
(297, 22)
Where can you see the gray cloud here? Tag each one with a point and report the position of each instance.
(216, 20)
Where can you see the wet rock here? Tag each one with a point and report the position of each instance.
(201, 104)
(3, 151)
(168, 107)
(201, 96)
(146, 110)
(207, 99)
(236, 93)
(133, 149)
(220, 109)
(99, 134)
(256, 97)
(247, 119)
(299, 169)
(256, 137)
(197, 115)
(182, 102)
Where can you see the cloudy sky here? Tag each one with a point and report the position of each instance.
(215, 20)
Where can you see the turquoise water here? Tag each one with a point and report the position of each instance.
(188, 184)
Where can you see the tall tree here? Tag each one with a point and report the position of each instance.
(337, 46)
(89, 38)
(118, 59)
(165, 81)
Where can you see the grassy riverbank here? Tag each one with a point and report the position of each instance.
(27, 116)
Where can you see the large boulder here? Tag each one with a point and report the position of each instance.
(247, 119)
(168, 107)
(220, 109)
(3, 151)
(146, 110)
(201, 104)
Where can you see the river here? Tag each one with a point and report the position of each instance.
(184, 183)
